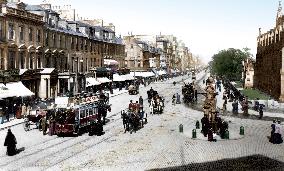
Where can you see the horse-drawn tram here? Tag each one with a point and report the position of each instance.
(87, 115)
(76, 120)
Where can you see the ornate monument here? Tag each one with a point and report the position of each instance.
(209, 106)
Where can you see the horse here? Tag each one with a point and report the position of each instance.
(125, 120)
(134, 122)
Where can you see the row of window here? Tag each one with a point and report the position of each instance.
(76, 43)
(21, 30)
(34, 61)
(60, 41)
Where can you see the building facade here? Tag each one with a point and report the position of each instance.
(269, 66)
(54, 56)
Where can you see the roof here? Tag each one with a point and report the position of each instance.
(67, 31)
(34, 8)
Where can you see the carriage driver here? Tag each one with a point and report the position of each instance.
(131, 106)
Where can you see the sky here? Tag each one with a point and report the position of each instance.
(205, 26)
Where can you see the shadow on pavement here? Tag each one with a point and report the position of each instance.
(252, 163)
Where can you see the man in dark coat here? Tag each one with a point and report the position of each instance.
(10, 142)
(204, 125)
(141, 101)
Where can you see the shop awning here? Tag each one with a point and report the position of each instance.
(148, 74)
(91, 82)
(103, 80)
(143, 74)
(110, 62)
(18, 89)
(117, 77)
(47, 70)
(127, 77)
(22, 71)
(5, 92)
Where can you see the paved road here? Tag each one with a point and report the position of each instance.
(158, 145)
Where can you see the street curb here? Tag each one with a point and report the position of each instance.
(1, 129)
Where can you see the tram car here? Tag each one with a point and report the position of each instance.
(81, 118)
(188, 93)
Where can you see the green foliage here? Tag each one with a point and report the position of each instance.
(228, 63)
(253, 94)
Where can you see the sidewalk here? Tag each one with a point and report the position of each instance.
(220, 102)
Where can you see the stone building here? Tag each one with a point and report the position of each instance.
(269, 66)
(21, 47)
(140, 54)
(51, 55)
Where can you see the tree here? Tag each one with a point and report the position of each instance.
(228, 63)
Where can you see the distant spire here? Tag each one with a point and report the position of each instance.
(279, 11)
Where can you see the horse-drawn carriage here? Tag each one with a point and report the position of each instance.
(33, 118)
(133, 119)
(188, 93)
(35, 113)
(151, 93)
(133, 90)
(156, 102)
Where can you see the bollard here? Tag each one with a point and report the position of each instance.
(242, 130)
(180, 128)
(194, 133)
(197, 125)
(227, 134)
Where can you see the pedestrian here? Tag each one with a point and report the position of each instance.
(256, 104)
(235, 107)
(260, 111)
(130, 106)
(272, 137)
(10, 143)
(51, 128)
(137, 107)
(278, 133)
(151, 106)
(225, 106)
(204, 125)
(174, 100)
(43, 125)
(141, 101)
(178, 99)
(24, 110)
